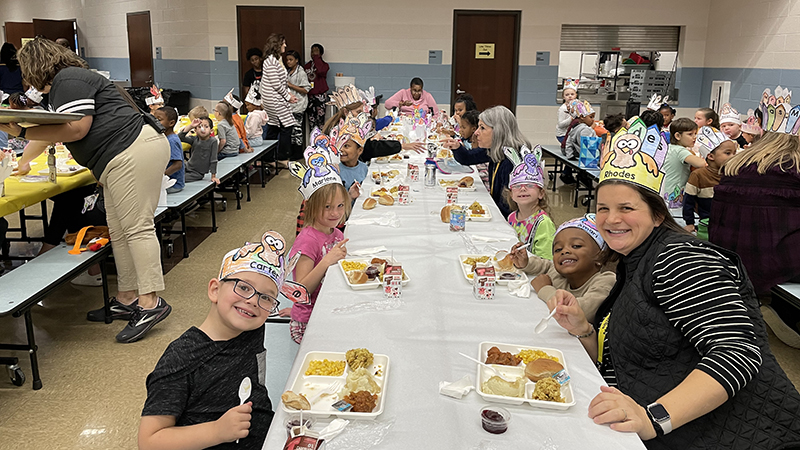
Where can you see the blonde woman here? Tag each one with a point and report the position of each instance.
(126, 156)
(756, 213)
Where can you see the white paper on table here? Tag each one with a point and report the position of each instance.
(456, 389)
(488, 238)
(388, 219)
(520, 288)
(333, 429)
(367, 251)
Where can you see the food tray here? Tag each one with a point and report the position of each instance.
(478, 217)
(465, 270)
(312, 384)
(37, 117)
(65, 173)
(519, 371)
(369, 284)
(461, 189)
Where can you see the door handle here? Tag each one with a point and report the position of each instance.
(459, 91)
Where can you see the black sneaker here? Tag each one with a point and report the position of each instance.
(142, 320)
(118, 310)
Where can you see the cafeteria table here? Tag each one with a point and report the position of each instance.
(438, 318)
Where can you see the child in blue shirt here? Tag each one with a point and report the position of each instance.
(175, 169)
(351, 169)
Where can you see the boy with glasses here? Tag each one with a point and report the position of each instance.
(193, 393)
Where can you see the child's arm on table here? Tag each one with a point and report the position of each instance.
(174, 166)
(160, 432)
(32, 150)
(309, 275)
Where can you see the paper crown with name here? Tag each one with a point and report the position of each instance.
(357, 127)
(322, 159)
(527, 166)
(232, 101)
(347, 95)
(777, 112)
(253, 96)
(34, 95)
(656, 102)
(155, 96)
(570, 83)
(752, 125)
(636, 155)
(709, 138)
(580, 108)
(729, 114)
(588, 224)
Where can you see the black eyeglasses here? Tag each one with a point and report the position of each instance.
(247, 291)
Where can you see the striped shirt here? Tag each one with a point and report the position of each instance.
(698, 289)
(275, 94)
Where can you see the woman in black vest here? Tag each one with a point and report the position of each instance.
(680, 338)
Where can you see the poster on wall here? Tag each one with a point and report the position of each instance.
(484, 51)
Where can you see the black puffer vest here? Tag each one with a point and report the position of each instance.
(651, 357)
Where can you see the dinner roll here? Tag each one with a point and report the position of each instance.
(542, 368)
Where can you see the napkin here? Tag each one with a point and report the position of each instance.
(389, 219)
(520, 288)
(333, 429)
(456, 389)
(367, 251)
(488, 238)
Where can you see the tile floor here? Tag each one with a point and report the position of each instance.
(94, 388)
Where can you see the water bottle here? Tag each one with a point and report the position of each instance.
(430, 173)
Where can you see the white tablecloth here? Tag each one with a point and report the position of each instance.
(438, 319)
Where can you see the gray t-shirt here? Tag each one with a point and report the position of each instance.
(227, 132)
(115, 125)
(204, 154)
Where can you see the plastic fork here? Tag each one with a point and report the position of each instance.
(336, 386)
(496, 372)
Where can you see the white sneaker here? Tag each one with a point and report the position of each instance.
(84, 279)
(783, 331)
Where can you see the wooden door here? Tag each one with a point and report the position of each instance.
(16, 31)
(54, 29)
(489, 71)
(256, 23)
(140, 49)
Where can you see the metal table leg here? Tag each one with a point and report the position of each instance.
(183, 234)
(37, 381)
(213, 211)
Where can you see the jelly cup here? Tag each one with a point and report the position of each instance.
(495, 419)
(294, 421)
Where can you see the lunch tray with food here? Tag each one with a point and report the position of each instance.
(357, 376)
(366, 273)
(504, 270)
(524, 364)
(466, 183)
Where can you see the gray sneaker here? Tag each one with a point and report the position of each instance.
(118, 311)
(142, 320)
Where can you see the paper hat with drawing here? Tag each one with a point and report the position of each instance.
(580, 108)
(347, 95)
(156, 97)
(752, 125)
(322, 159)
(586, 223)
(232, 101)
(729, 114)
(656, 102)
(636, 156)
(527, 166)
(709, 138)
(570, 83)
(777, 112)
(357, 127)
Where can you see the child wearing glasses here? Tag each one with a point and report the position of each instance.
(528, 200)
(193, 392)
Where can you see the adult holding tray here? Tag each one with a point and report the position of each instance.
(128, 158)
(680, 338)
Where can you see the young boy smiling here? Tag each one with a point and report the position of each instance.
(193, 392)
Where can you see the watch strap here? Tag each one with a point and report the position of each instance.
(22, 133)
(662, 425)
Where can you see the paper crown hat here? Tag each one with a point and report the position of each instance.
(580, 108)
(751, 125)
(268, 257)
(155, 97)
(252, 96)
(34, 95)
(570, 83)
(777, 113)
(586, 223)
(729, 114)
(636, 156)
(350, 94)
(357, 127)
(656, 102)
(321, 158)
(709, 138)
(527, 166)
(232, 101)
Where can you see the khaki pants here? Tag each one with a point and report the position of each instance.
(132, 184)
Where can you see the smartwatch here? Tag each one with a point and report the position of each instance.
(660, 418)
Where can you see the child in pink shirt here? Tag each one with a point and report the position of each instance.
(406, 99)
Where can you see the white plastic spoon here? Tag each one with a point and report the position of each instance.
(244, 392)
(503, 253)
(542, 325)
(496, 372)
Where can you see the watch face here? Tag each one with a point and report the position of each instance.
(658, 412)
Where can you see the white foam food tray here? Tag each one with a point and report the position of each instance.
(519, 371)
(311, 385)
(466, 270)
(369, 284)
(444, 183)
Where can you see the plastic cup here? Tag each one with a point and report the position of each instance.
(495, 419)
(294, 421)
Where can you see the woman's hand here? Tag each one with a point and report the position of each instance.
(418, 147)
(690, 228)
(519, 256)
(336, 254)
(570, 315)
(541, 281)
(406, 103)
(613, 407)
(22, 170)
(452, 144)
(12, 128)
